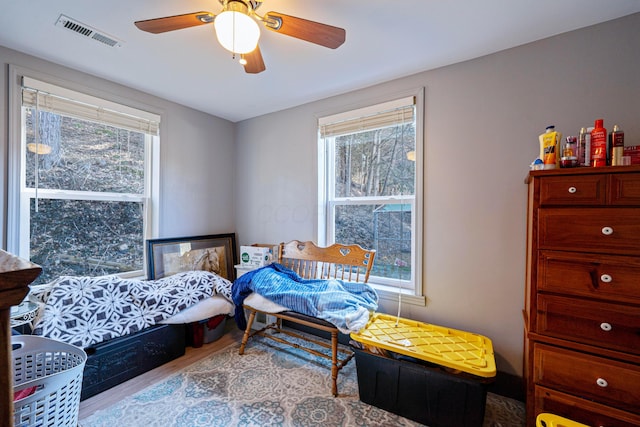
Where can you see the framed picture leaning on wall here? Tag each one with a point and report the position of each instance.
(215, 253)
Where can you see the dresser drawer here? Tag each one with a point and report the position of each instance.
(612, 278)
(615, 230)
(582, 411)
(625, 189)
(611, 326)
(573, 190)
(605, 381)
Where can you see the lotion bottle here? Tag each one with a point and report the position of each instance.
(599, 144)
(550, 147)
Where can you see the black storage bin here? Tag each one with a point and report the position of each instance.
(428, 395)
(115, 361)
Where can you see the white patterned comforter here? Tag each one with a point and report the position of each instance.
(87, 310)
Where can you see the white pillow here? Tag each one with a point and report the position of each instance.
(261, 303)
(208, 307)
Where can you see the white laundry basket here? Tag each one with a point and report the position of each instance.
(55, 370)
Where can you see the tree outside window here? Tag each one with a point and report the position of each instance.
(84, 190)
(368, 172)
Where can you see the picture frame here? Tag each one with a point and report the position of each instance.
(216, 253)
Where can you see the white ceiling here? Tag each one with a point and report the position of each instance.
(385, 40)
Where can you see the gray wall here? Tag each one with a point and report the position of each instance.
(197, 153)
(482, 120)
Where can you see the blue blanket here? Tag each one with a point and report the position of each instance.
(347, 305)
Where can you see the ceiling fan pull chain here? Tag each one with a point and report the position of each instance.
(233, 32)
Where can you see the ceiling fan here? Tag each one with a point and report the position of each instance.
(238, 31)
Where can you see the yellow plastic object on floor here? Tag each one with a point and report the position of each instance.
(463, 351)
(550, 420)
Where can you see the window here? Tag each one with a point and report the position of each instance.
(368, 187)
(84, 189)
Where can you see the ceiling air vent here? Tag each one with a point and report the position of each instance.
(86, 31)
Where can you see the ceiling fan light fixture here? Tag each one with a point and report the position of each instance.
(236, 30)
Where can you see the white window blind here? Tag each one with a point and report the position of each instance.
(378, 116)
(59, 100)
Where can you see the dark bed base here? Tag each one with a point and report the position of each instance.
(118, 360)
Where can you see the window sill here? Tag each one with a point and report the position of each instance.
(391, 293)
(138, 275)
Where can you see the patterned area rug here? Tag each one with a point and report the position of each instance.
(266, 388)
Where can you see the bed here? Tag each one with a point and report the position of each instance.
(127, 326)
(323, 289)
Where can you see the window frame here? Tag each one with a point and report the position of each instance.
(18, 197)
(386, 288)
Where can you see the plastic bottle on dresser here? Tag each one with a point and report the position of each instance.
(582, 143)
(587, 147)
(598, 144)
(617, 146)
(569, 158)
(550, 147)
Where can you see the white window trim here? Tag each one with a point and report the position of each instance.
(416, 295)
(15, 163)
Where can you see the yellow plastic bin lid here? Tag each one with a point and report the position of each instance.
(463, 351)
(550, 420)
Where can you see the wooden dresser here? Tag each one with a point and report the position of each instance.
(582, 299)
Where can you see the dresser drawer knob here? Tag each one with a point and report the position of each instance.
(602, 382)
(572, 190)
(605, 326)
(605, 278)
(607, 231)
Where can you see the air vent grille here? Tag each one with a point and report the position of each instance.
(87, 31)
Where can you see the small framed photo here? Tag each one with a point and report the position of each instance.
(215, 253)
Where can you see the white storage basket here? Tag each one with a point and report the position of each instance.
(55, 370)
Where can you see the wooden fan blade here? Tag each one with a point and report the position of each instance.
(176, 22)
(311, 31)
(254, 64)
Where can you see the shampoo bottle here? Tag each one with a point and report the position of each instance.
(587, 147)
(617, 146)
(598, 144)
(582, 146)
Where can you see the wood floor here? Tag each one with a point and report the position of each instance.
(109, 397)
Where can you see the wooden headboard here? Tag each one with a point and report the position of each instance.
(345, 262)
